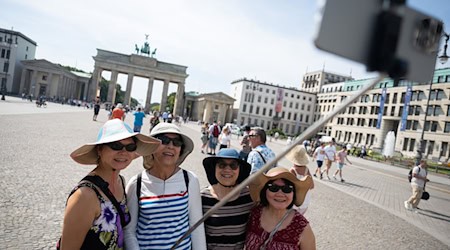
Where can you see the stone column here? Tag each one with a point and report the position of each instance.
(112, 88)
(148, 100)
(207, 112)
(127, 100)
(50, 88)
(85, 93)
(179, 100)
(33, 84)
(60, 86)
(96, 77)
(22, 82)
(162, 106)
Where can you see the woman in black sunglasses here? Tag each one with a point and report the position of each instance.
(273, 224)
(164, 200)
(226, 228)
(96, 210)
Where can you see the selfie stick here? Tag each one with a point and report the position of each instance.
(306, 134)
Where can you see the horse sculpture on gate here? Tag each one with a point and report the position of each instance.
(145, 49)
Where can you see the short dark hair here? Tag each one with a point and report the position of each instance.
(262, 195)
(261, 133)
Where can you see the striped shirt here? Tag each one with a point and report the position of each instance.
(167, 210)
(226, 228)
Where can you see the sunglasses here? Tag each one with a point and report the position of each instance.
(116, 146)
(233, 165)
(253, 135)
(275, 188)
(165, 140)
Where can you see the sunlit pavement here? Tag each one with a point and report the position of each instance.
(365, 212)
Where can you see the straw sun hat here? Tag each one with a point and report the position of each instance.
(170, 128)
(298, 156)
(114, 130)
(301, 186)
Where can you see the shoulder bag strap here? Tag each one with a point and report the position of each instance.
(264, 160)
(186, 179)
(99, 182)
(138, 190)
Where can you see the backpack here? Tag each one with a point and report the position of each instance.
(410, 174)
(216, 131)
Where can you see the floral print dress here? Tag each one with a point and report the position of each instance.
(106, 231)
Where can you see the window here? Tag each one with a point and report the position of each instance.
(405, 144)
(412, 145)
(3, 53)
(270, 112)
(272, 101)
(307, 118)
(44, 77)
(8, 53)
(251, 109)
(264, 111)
(394, 98)
(296, 105)
(266, 99)
(415, 125)
(257, 110)
(6, 67)
(244, 108)
(447, 127)
(434, 126)
(259, 98)
(289, 116)
(284, 104)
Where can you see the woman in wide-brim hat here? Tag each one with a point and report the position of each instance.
(91, 219)
(164, 200)
(300, 159)
(273, 224)
(226, 228)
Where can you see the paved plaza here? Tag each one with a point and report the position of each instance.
(365, 212)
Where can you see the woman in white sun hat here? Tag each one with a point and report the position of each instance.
(96, 210)
(299, 157)
(164, 200)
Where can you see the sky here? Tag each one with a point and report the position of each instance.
(219, 41)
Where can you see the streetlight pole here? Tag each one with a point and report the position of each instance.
(442, 59)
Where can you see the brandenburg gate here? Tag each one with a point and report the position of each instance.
(142, 66)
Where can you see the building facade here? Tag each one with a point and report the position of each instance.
(209, 107)
(271, 106)
(313, 81)
(398, 107)
(14, 47)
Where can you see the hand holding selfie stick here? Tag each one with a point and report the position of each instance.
(306, 134)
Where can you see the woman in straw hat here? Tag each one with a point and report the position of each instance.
(226, 228)
(299, 157)
(96, 210)
(164, 200)
(273, 223)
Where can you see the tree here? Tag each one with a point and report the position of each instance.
(171, 101)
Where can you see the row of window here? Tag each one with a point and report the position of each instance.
(289, 115)
(358, 138)
(250, 97)
(286, 94)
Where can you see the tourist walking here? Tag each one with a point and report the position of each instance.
(330, 152)
(299, 157)
(245, 143)
(154, 120)
(118, 112)
(138, 120)
(100, 196)
(418, 182)
(260, 154)
(225, 138)
(319, 155)
(164, 199)
(205, 135)
(226, 228)
(273, 224)
(96, 108)
(214, 132)
(341, 157)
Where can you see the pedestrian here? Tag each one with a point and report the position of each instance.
(96, 209)
(418, 182)
(164, 199)
(299, 157)
(154, 120)
(204, 137)
(214, 132)
(138, 120)
(118, 113)
(363, 152)
(330, 152)
(245, 143)
(319, 155)
(225, 138)
(96, 108)
(341, 158)
(260, 154)
(226, 228)
(273, 224)
(165, 116)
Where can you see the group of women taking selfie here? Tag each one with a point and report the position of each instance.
(155, 208)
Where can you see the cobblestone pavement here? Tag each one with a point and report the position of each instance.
(37, 175)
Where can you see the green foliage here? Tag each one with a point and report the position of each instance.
(273, 131)
(171, 101)
(72, 68)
